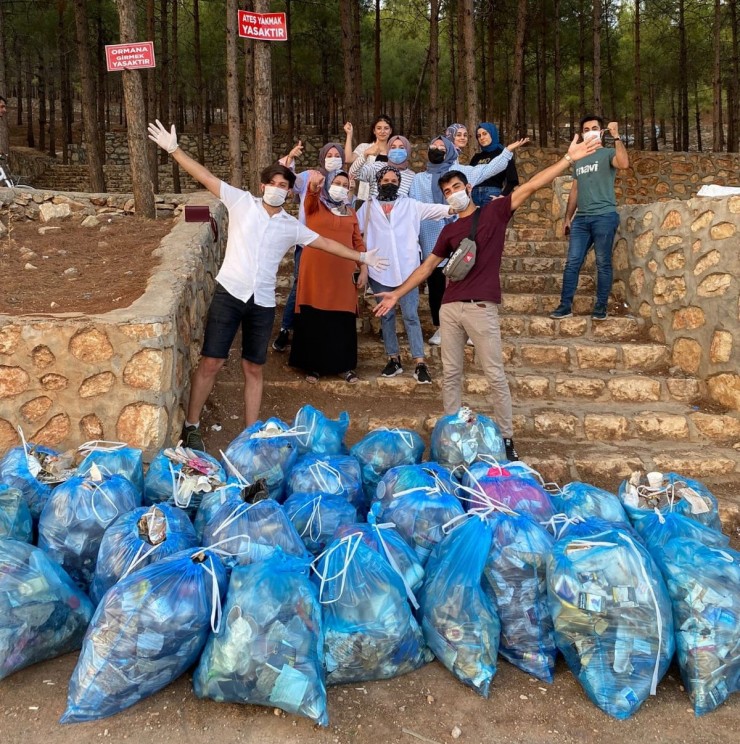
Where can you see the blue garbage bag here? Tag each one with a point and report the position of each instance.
(516, 579)
(266, 450)
(211, 503)
(382, 449)
(330, 474)
(502, 488)
(485, 466)
(459, 619)
(370, 632)
(319, 434)
(583, 500)
(243, 533)
(419, 516)
(657, 529)
(612, 618)
(113, 458)
(76, 516)
(42, 613)
(462, 437)
(704, 586)
(15, 516)
(563, 527)
(269, 649)
(405, 477)
(148, 629)
(135, 540)
(317, 516)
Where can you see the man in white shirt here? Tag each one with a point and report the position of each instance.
(260, 234)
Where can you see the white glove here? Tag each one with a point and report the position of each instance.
(371, 258)
(166, 140)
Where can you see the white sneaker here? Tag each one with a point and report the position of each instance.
(470, 342)
(436, 339)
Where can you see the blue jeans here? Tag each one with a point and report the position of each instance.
(482, 194)
(409, 305)
(289, 310)
(585, 231)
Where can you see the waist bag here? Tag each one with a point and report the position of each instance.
(463, 259)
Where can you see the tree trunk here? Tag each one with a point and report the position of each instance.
(350, 98)
(697, 115)
(133, 93)
(102, 78)
(734, 109)
(471, 79)
(172, 84)
(290, 92)
(434, 68)
(199, 91)
(164, 71)
(556, 76)
(360, 98)
(453, 66)
(683, 81)
(251, 167)
(491, 84)
(582, 58)
(377, 95)
(515, 124)
(52, 151)
(637, 94)
(540, 57)
(42, 103)
(4, 136)
(597, 55)
(262, 101)
(232, 95)
(653, 125)
(30, 139)
(717, 78)
(64, 98)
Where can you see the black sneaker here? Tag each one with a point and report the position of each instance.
(561, 311)
(191, 437)
(599, 312)
(282, 340)
(421, 374)
(511, 453)
(393, 368)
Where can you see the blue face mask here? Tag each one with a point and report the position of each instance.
(398, 155)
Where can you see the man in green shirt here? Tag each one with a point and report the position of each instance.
(597, 220)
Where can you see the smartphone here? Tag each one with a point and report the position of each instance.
(356, 276)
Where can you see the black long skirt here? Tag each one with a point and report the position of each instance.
(324, 341)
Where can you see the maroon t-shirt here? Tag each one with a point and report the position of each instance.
(483, 281)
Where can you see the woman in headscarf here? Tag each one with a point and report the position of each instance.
(325, 336)
(503, 183)
(458, 135)
(399, 152)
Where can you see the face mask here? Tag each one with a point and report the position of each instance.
(398, 155)
(332, 164)
(274, 196)
(338, 193)
(458, 200)
(388, 192)
(591, 135)
(436, 156)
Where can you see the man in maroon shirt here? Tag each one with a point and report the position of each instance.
(470, 306)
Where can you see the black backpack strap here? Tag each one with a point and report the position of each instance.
(474, 224)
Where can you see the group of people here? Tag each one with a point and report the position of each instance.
(395, 232)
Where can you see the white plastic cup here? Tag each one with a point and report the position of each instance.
(655, 479)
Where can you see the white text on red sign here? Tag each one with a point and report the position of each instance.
(263, 26)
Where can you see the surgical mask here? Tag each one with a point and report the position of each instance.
(388, 192)
(274, 196)
(436, 156)
(592, 134)
(332, 164)
(398, 155)
(338, 193)
(459, 200)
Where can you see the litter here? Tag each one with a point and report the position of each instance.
(15, 516)
(113, 458)
(462, 437)
(330, 474)
(584, 500)
(317, 517)
(398, 480)
(320, 435)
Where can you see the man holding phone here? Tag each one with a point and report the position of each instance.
(596, 220)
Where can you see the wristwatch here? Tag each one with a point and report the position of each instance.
(568, 158)
(617, 139)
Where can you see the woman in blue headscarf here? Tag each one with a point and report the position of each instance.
(502, 183)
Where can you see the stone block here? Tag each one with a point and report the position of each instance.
(52, 381)
(620, 257)
(616, 329)
(606, 468)
(91, 346)
(687, 355)
(13, 381)
(734, 204)
(142, 425)
(146, 370)
(511, 326)
(476, 385)
(645, 310)
(42, 357)
(637, 281)
(553, 469)
(707, 261)
(400, 385)
(702, 221)
(522, 304)
(520, 425)
(643, 244)
(688, 318)
(667, 241)
(532, 386)
(578, 387)
(694, 465)
(653, 426)
(8, 436)
(721, 349)
(395, 422)
(91, 428)
(634, 389)
(672, 220)
(715, 285)
(50, 211)
(539, 326)
(725, 390)
(9, 337)
(539, 355)
(597, 357)
(55, 431)
(675, 261)
(97, 385)
(685, 389)
(721, 428)
(668, 289)
(645, 357)
(605, 427)
(722, 231)
(572, 327)
(36, 409)
(554, 424)
(144, 331)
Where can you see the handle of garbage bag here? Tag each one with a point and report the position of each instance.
(100, 445)
(350, 542)
(315, 469)
(315, 516)
(409, 593)
(216, 609)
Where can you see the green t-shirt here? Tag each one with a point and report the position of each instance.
(595, 175)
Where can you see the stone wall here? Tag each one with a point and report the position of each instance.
(67, 378)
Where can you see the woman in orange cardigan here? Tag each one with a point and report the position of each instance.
(325, 337)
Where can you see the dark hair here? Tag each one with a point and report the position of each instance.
(4, 100)
(447, 177)
(591, 117)
(276, 169)
(383, 117)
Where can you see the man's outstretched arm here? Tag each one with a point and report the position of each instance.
(388, 300)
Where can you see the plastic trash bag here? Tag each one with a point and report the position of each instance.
(180, 476)
(499, 487)
(320, 435)
(462, 437)
(330, 474)
(148, 630)
(515, 573)
(113, 458)
(15, 516)
(135, 540)
(406, 477)
(370, 632)
(583, 500)
(76, 516)
(704, 586)
(270, 647)
(317, 516)
(382, 449)
(612, 618)
(42, 613)
(264, 451)
(459, 619)
(657, 529)
(211, 503)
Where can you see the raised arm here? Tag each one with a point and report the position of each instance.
(621, 159)
(478, 173)
(289, 160)
(348, 130)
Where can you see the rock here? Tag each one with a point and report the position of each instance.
(722, 230)
(634, 389)
(714, 285)
(687, 355)
(661, 426)
(725, 390)
(694, 465)
(675, 261)
(643, 243)
(707, 261)
(142, 425)
(13, 381)
(394, 422)
(9, 337)
(91, 346)
(533, 386)
(53, 381)
(688, 318)
(90, 221)
(672, 220)
(704, 220)
(544, 355)
(71, 271)
(644, 357)
(42, 356)
(578, 387)
(686, 389)
(51, 211)
(97, 385)
(8, 436)
(553, 424)
(456, 732)
(55, 431)
(147, 370)
(721, 428)
(597, 357)
(36, 408)
(603, 467)
(48, 229)
(668, 289)
(476, 385)
(30, 267)
(721, 349)
(605, 427)
(91, 427)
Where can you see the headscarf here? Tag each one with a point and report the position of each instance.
(407, 146)
(324, 150)
(387, 169)
(436, 170)
(495, 147)
(336, 207)
(452, 130)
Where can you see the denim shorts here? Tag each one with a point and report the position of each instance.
(225, 315)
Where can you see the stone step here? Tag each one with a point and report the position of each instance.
(516, 248)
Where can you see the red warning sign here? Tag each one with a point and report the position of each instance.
(263, 26)
(132, 56)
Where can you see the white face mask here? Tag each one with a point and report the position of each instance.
(592, 134)
(332, 164)
(338, 193)
(274, 196)
(459, 200)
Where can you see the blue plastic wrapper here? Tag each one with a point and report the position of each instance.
(317, 516)
(463, 437)
(244, 533)
(135, 540)
(270, 647)
(211, 503)
(114, 458)
(76, 516)
(370, 632)
(383, 449)
(499, 487)
(148, 630)
(584, 500)
(15, 516)
(42, 613)
(266, 450)
(515, 575)
(704, 586)
(419, 516)
(459, 619)
(180, 476)
(330, 474)
(612, 618)
(406, 477)
(320, 435)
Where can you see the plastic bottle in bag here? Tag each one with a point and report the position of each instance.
(463, 437)
(15, 516)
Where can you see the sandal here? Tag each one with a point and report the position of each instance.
(312, 377)
(350, 377)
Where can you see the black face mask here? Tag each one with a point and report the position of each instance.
(436, 156)
(388, 192)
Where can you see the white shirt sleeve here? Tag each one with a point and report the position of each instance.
(231, 196)
(304, 236)
(432, 211)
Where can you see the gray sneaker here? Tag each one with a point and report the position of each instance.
(191, 437)
(561, 311)
(393, 368)
(599, 312)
